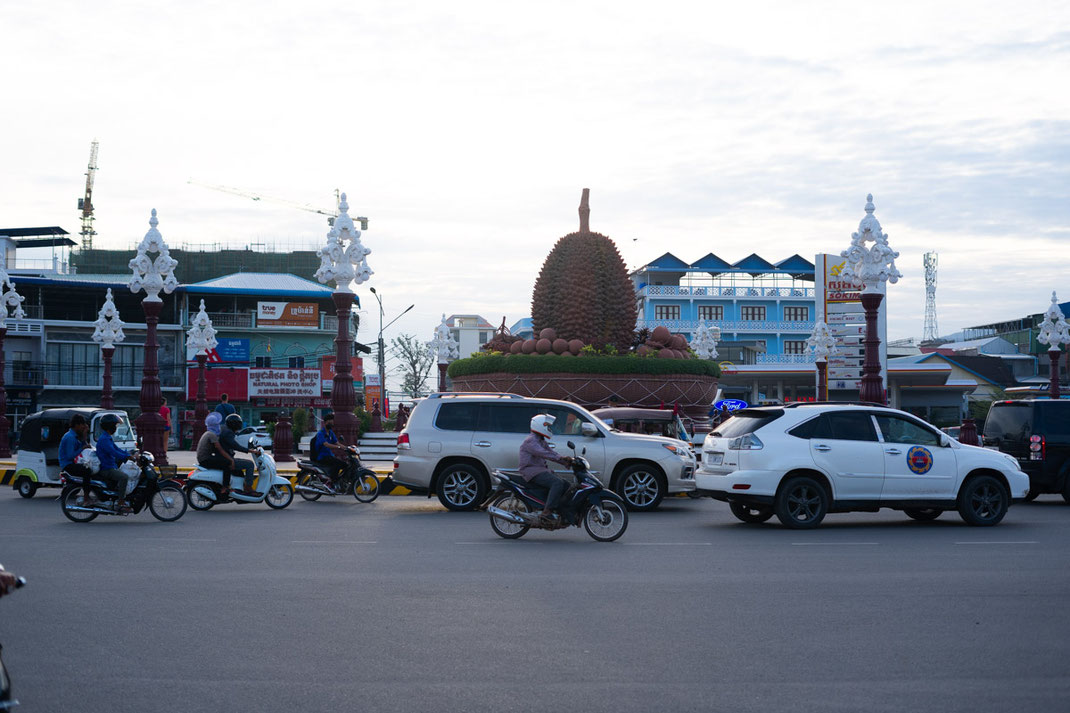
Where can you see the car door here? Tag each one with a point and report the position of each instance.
(916, 466)
(568, 426)
(844, 445)
(501, 428)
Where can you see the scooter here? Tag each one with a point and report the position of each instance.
(204, 486)
(515, 505)
(313, 482)
(164, 497)
(6, 701)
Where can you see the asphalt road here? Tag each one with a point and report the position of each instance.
(402, 606)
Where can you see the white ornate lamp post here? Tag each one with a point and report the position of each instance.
(1054, 331)
(704, 344)
(870, 267)
(201, 339)
(9, 298)
(153, 276)
(444, 348)
(821, 343)
(107, 332)
(343, 264)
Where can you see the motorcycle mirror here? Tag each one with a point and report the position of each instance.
(583, 452)
(571, 445)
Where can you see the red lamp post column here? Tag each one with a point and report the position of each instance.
(283, 443)
(8, 298)
(154, 276)
(200, 407)
(343, 260)
(870, 267)
(1054, 331)
(107, 332)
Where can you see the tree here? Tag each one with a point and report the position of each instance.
(416, 363)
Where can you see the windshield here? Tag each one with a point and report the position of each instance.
(743, 422)
(123, 432)
(1009, 421)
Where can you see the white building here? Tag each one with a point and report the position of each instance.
(471, 332)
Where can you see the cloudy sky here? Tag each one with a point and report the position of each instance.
(466, 131)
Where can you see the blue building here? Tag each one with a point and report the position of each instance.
(765, 310)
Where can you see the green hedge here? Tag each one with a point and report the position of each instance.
(552, 363)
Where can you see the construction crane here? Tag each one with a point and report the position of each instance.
(293, 204)
(86, 204)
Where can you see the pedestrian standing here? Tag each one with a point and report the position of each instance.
(225, 408)
(166, 413)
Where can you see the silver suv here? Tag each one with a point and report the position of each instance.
(454, 440)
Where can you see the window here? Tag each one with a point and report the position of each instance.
(840, 426)
(743, 422)
(566, 421)
(667, 312)
(899, 430)
(297, 362)
(483, 337)
(791, 347)
(797, 314)
(457, 416)
(263, 362)
(711, 313)
(508, 418)
(73, 364)
(752, 313)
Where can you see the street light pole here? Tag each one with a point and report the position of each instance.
(821, 342)
(1054, 332)
(8, 298)
(108, 330)
(382, 348)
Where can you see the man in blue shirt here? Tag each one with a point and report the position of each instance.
(74, 441)
(324, 445)
(225, 408)
(111, 456)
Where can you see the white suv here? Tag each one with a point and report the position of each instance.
(802, 461)
(454, 440)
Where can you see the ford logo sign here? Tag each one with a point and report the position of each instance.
(730, 405)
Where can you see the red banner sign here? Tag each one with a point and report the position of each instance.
(232, 381)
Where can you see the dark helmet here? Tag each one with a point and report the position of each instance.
(233, 422)
(109, 422)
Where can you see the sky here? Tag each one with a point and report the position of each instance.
(466, 131)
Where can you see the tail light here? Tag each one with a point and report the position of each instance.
(1036, 448)
(749, 442)
(403, 442)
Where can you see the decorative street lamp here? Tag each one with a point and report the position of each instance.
(154, 275)
(704, 344)
(444, 348)
(1054, 331)
(821, 343)
(9, 298)
(344, 264)
(201, 339)
(107, 332)
(871, 267)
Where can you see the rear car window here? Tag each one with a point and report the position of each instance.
(1009, 421)
(746, 421)
(457, 416)
(838, 426)
(1054, 417)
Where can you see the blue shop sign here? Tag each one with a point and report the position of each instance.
(729, 404)
(233, 350)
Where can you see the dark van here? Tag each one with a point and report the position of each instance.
(1037, 433)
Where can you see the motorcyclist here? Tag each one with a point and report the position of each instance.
(534, 452)
(74, 441)
(228, 439)
(324, 446)
(111, 456)
(210, 452)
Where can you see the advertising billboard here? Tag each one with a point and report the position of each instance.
(228, 350)
(327, 370)
(288, 314)
(232, 381)
(839, 304)
(284, 383)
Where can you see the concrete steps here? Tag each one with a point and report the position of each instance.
(379, 446)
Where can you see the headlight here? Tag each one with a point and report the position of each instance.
(681, 451)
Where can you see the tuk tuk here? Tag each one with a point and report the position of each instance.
(37, 463)
(649, 421)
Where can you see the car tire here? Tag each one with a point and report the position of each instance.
(801, 503)
(923, 514)
(1034, 494)
(461, 486)
(983, 501)
(27, 488)
(751, 513)
(642, 486)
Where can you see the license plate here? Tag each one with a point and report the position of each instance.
(714, 458)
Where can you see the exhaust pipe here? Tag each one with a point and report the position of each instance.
(79, 508)
(506, 515)
(310, 489)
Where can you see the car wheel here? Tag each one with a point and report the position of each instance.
(802, 503)
(1034, 494)
(461, 486)
(642, 486)
(751, 513)
(27, 488)
(923, 514)
(983, 501)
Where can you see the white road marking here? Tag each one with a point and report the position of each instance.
(334, 542)
(668, 544)
(1001, 542)
(835, 544)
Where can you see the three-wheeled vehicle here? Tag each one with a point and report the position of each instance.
(37, 464)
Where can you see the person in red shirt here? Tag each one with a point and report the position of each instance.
(166, 413)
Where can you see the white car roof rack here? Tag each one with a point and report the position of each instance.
(453, 394)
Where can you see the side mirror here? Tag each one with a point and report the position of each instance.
(571, 445)
(588, 430)
(945, 441)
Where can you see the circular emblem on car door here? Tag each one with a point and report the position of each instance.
(919, 460)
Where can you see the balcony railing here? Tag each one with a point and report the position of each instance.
(726, 292)
(330, 322)
(785, 359)
(227, 320)
(22, 374)
(730, 325)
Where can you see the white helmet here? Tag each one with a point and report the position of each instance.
(542, 423)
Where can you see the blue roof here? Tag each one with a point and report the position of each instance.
(796, 264)
(711, 263)
(755, 265)
(668, 261)
(264, 284)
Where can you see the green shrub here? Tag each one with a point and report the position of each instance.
(299, 423)
(552, 363)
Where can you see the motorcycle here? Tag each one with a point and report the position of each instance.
(6, 701)
(204, 486)
(313, 482)
(164, 497)
(515, 505)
